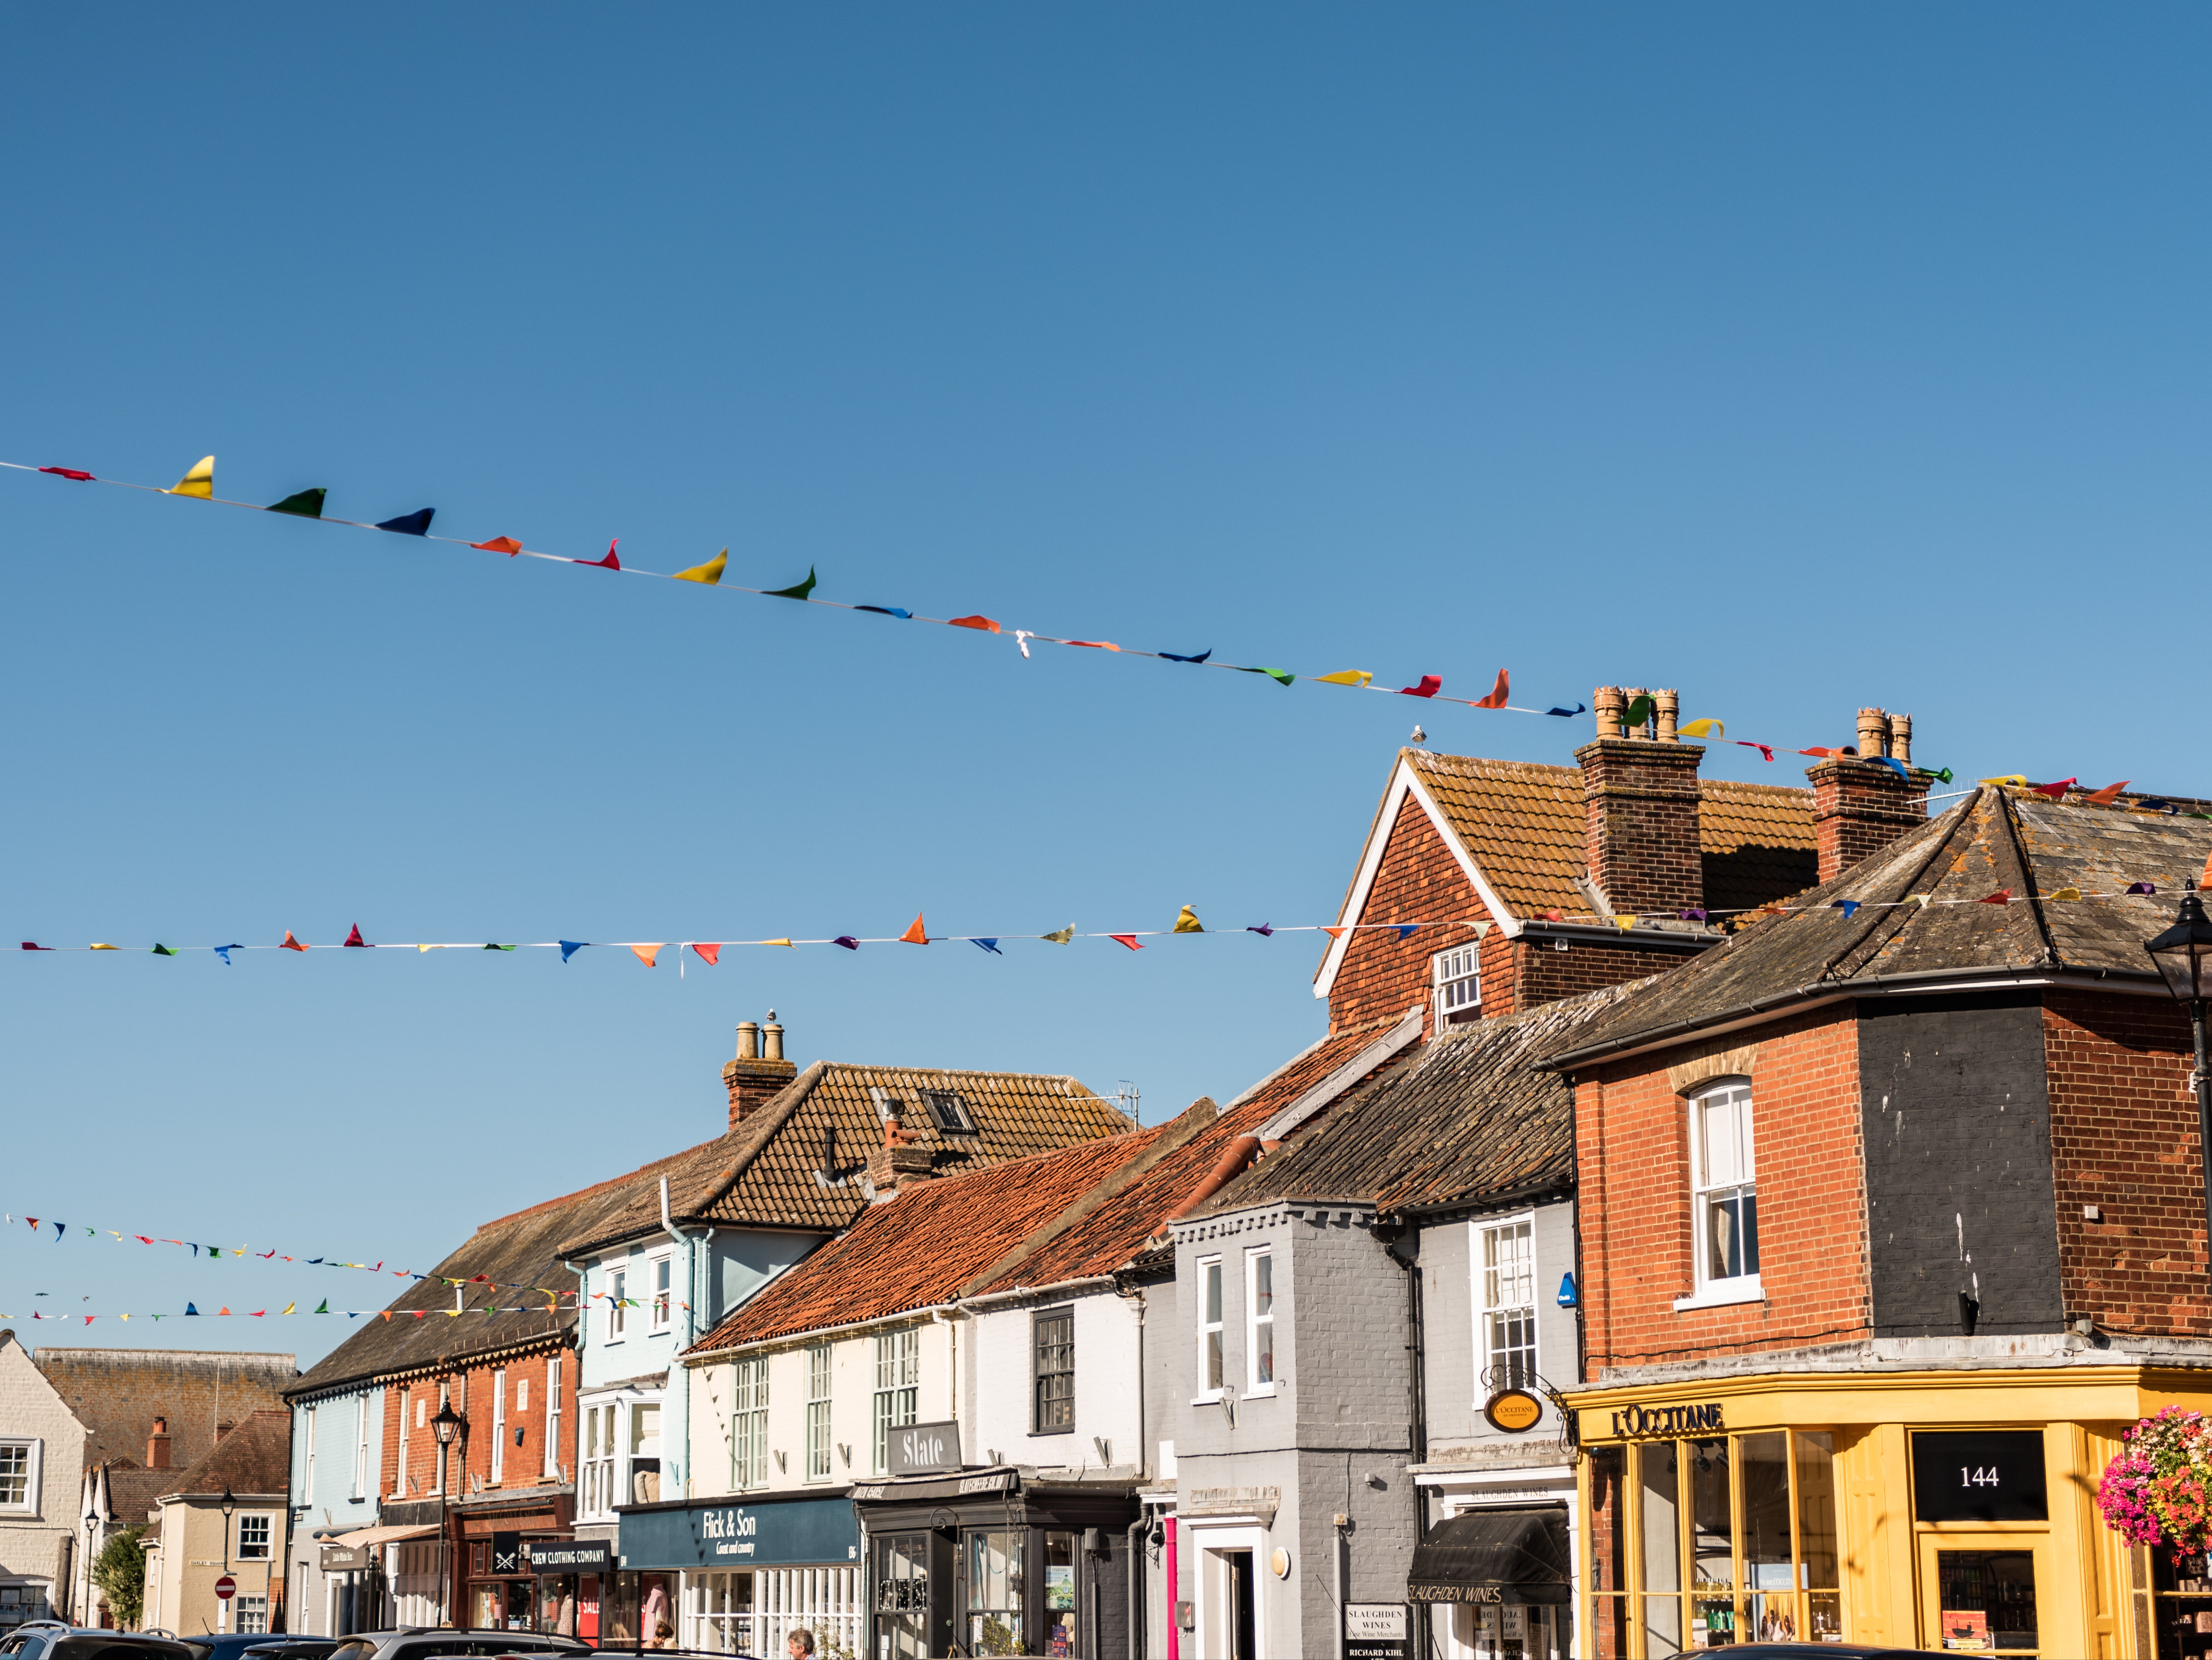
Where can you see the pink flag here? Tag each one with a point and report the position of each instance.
(608, 563)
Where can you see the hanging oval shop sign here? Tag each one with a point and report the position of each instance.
(1514, 1411)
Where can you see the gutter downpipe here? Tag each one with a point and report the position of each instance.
(1136, 1571)
(679, 1393)
(1406, 1252)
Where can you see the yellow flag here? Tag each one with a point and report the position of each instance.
(2065, 893)
(778, 942)
(1060, 937)
(1188, 922)
(1703, 729)
(710, 573)
(108, 948)
(199, 482)
(1624, 921)
(1345, 678)
(2008, 778)
(289, 1307)
(426, 948)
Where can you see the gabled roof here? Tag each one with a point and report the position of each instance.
(521, 1249)
(763, 1173)
(1467, 1117)
(1993, 840)
(256, 1458)
(1519, 831)
(1080, 1213)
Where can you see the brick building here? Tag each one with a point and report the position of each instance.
(1893, 1219)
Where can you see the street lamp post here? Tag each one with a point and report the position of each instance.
(229, 1503)
(450, 1427)
(2184, 956)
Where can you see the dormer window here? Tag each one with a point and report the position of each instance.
(1457, 976)
(949, 1113)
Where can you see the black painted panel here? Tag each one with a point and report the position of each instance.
(1957, 1117)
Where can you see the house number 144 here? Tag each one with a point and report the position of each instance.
(1978, 1477)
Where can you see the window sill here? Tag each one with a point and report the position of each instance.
(1261, 1392)
(1211, 1398)
(1726, 1294)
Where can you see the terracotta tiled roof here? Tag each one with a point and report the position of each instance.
(1525, 827)
(916, 1250)
(763, 1174)
(1991, 841)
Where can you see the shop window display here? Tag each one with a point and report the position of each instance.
(995, 1586)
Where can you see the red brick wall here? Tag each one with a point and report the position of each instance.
(1544, 974)
(472, 1391)
(1641, 844)
(1632, 1132)
(2124, 1138)
(1418, 881)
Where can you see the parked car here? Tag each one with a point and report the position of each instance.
(293, 1648)
(419, 1642)
(48, 1640)
(1823, 1651)
(235, 1645)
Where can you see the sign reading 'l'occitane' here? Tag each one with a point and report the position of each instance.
(1632, 1421)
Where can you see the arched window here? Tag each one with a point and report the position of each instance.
(1724, 1185)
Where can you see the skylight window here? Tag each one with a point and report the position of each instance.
(950, 1112)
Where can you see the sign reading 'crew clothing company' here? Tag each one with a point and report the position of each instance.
(1630, 1423)
(565, 1556)
(922, 1448)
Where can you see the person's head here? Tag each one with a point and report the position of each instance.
(801, 1642)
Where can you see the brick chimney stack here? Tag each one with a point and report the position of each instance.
(900, 1161)
(157, 1446)
(1860, 805)
(1640, 800)
(754, 1078)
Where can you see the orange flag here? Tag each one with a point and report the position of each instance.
(983, 623)
(915, 933)
(646, 954)
(506, 544)
(1334, 933)
(1498, 693)
(2110, 794)
(223, 1310)
(711, 953)
(291, 944)
(2207, 878)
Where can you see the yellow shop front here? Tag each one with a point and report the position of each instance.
(1934, 1510)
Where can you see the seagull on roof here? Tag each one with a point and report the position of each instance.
(1419, 736)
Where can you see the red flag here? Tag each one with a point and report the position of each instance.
(2057, 792)
(506, 544)
(1430, 686)
(983, 623)
(1553, 916)
(1102, 645)
(1128, 939)
(88, 1318)
(608, 563)
(33, 945)
(2106, 796)
(1826, 755)
(709, 953)
(355, 939)
(2001, 897)
(68, 472)
(1764, 748)
(291, 944)
(915, 933)
(1497, 694)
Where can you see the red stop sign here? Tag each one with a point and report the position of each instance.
(226, 1588)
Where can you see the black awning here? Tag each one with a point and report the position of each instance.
(1494, 1556)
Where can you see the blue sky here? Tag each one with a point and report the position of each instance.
(1799, 358)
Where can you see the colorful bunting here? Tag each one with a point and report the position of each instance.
(1430, 686)
(199, 482)
(1344, 678)
(1406, 929)
(983, 623)
(711, 572)
(1188, 922)
(2001, 897)
(1766, 749)
(2057, 792)
(796, 590)
(68, 472)
(1062, 937)
(645, 954)
(1265, 931)
(2106, 796)
(1847, 906)
(302, 504)
(1499, 693)
(355, 939)
(1102, 645)
(506, 544)
(108, 948)
(2064, 893)
(161, 949)
(291, 944)
(409, 524)
(570, 947)
(1281, 677)
(915, 935)
(711, 954)
(847, 941)
(1640, 712)
(1568, 713)
(1172, 657)
(608, 563)
(1624, 920)
(1128, 939)
(1703, 729)
(33, 945)
(899, 611)
(990, 946)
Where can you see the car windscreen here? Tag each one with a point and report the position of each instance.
(114, 1648)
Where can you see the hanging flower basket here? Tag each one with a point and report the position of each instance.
(2158, 1491)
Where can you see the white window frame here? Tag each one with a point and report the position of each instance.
(596, 1459)
(309, 1495)
(1480, 1231)
(399, 1472)
(1212, 1294)
(1254, 1383)
(1711, 1291)
(896, 1400)
(268, 1520)
(252, 1617)
(360, 1446)
(553, 1417)
(821, 1383)
(1455, 985)
(617, 1293)
(498, 1422)
(34, 1450)
(748, 1422)
(660, 1300)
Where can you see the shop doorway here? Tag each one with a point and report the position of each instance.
(1979, 1592)
(1233, 1596)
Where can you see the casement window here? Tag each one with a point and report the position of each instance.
(400, 1472)
(553, 1419)
(617, 1295)
(643, 1485)
(252, 1616)
(498, 1422)
(1260, 1321)
(1210, 1372)
(898, 1388)
(817, 1411)
(1052, 1344)
(749, 1424)
(1457, 976)
(1724, 1187)
(662, 1270)
(307, 1437)
(19, 1475)
(360, 1447)
(253, 1537)
(1505, 1313)
(597, 1473)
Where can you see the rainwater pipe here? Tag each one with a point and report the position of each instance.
(676, 1472)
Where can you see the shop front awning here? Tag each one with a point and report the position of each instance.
(381, 1535)
(1495, 1556)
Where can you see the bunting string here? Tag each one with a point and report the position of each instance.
(198, 484)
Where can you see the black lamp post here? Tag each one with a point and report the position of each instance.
(2184, 956)
(229, 1503)
(450, 1427)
